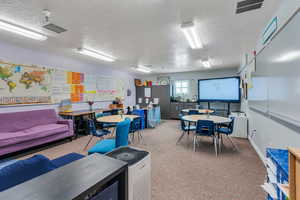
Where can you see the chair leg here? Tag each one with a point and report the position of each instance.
(140, 135)
(220, 142)
(130, 138)
(187, 140)
(233, 144)
(113, 132)
(197, 141)
(181, 136)
(88, 142)
(216, 145)
(195, 137)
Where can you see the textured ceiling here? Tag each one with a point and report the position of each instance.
(143, 31)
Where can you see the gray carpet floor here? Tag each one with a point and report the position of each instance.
(179, 173)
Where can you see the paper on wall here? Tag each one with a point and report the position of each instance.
(140, 100)
(148, 92)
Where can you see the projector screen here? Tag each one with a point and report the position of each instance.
(219, 89)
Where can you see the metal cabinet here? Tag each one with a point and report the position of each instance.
(175, 110)
(163, 93)
(157, 91)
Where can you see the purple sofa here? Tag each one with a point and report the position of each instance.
(22, 130)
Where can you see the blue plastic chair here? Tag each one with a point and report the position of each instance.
(93, 131)
(185, 128)
(136, 126)
(141, 114)
(129, 111)
(227, 130)
(107, 145)
(206, 128)
(114, 112)
(104, 125)
(193, 112)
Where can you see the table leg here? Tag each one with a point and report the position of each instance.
(216, 144)
(74, 127)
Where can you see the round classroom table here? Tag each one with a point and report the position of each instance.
(194, 118)
(115, 118)
(215, 119)
(201, 111)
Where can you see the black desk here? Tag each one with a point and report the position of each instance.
(78, 121)
(73, 181)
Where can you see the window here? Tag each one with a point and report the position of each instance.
(181, 88)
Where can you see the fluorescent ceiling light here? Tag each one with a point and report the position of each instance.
(189, 30)
(144, 69)
(206, 64)
(288, 56)
(97, 54)
(21, 31)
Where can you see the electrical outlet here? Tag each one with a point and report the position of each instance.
(253, 133)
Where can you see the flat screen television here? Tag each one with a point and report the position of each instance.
(219, 89)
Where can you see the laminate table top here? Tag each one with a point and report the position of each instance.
(214, 118)
(199, 110)
(115, 118)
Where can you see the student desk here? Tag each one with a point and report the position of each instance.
(115, 118)
(215, 119)
(77, 116)
(201, 111)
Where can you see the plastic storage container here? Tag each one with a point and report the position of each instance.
(277, 168)
(141, 113)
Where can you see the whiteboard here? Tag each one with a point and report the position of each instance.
(279, 67)
(258, 94)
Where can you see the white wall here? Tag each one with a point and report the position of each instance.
(194, 76)
(284, 12)
(263, 131)
(20, 55)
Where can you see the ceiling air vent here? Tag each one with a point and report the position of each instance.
(247, 5)
(50, 26)
(54, 28)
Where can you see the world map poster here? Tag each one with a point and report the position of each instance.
(24, 84)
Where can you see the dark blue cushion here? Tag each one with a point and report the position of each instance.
(66, 159)
(24, 170)
(6, 163)
(103, 146)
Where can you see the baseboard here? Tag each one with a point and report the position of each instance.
(260, 154)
